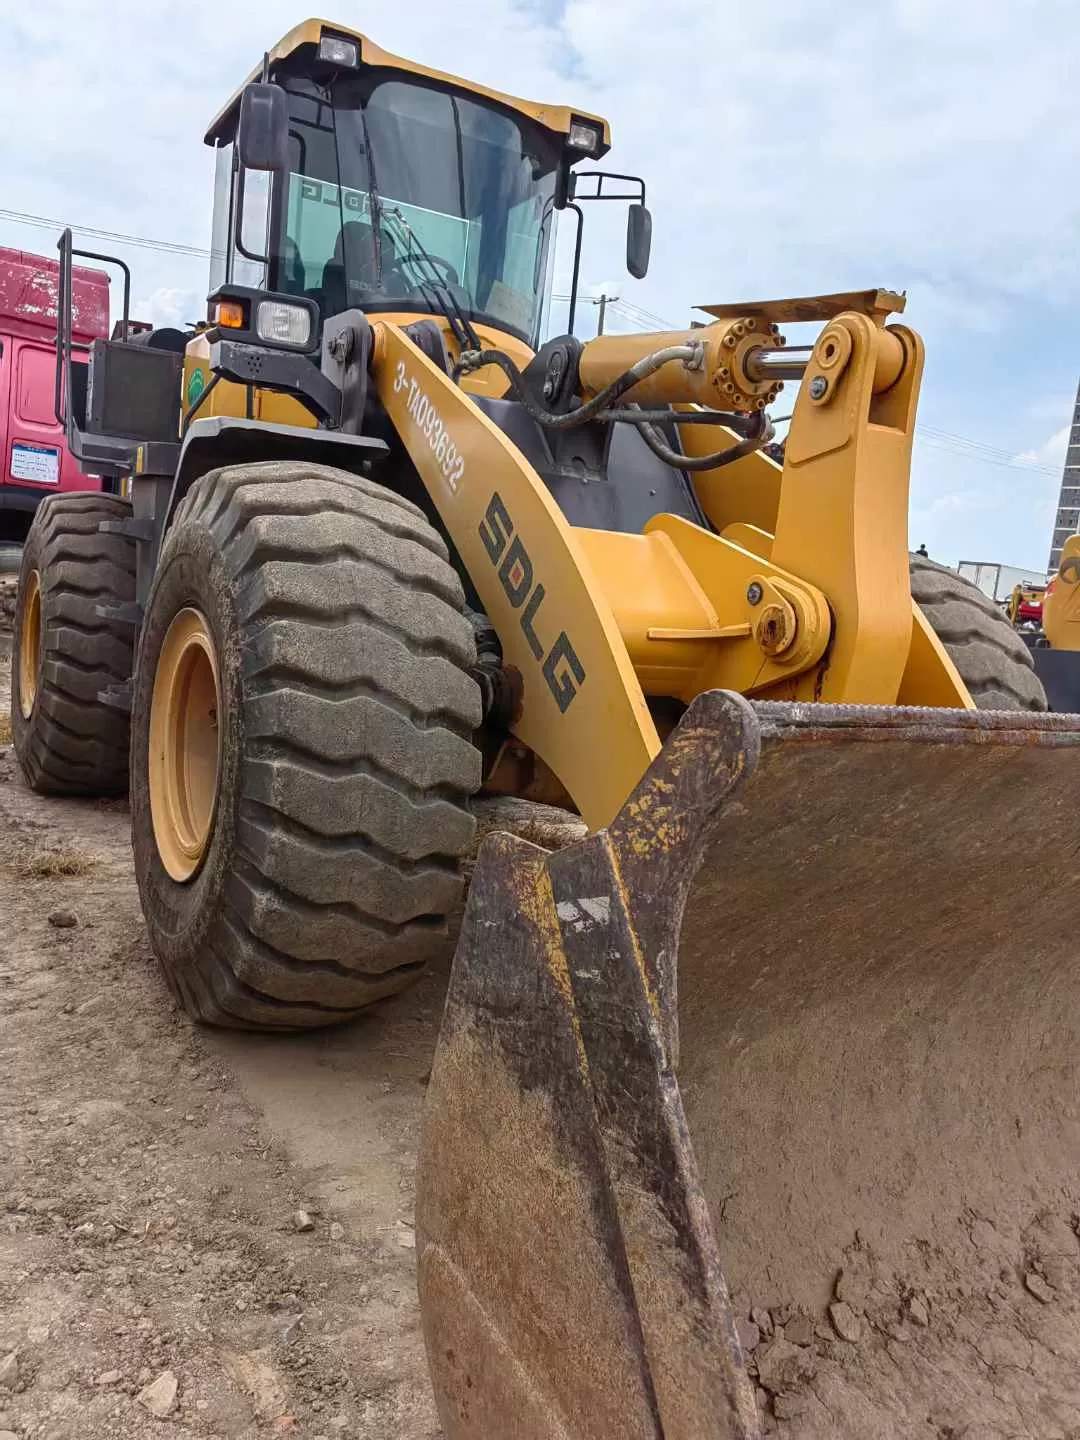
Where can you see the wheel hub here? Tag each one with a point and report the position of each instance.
(30, 644)
(185, 744)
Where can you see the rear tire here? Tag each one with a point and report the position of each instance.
(345, 761)
(993, 661)
(65, 653)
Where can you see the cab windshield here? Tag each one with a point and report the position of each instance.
(398, 193)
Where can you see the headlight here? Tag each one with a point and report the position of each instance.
(281, 324)
(584, 137)
(336, 50)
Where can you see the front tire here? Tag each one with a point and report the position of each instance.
(319, 876)
(66, 653)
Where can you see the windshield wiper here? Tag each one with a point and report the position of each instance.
(435, 289)
(373, 197)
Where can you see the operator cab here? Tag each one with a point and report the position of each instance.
(393, 189)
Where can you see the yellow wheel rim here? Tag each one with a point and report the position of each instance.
(30, 644)
(185, 744)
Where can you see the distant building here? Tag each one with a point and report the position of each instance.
(1067, 520)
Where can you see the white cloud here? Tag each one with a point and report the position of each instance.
(168, 305)
(830, 138)
(1050, 406)
(1051, 452)
(957, 502)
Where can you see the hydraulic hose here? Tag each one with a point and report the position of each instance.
(757, 430)
(761, 435)
(646, 366)
(632, 415)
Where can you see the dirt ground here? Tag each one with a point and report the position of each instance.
(218, 1227)
(152, 1175)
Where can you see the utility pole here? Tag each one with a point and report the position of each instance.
(601, 302)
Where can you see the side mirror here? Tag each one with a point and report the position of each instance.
(262, 133)
(638, 241)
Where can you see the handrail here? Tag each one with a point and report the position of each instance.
(65, 343)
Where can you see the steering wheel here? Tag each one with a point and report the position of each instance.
(417, 263)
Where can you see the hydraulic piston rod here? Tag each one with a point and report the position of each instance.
(788, 364)
(764, 364)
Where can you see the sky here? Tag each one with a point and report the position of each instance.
(800, 148)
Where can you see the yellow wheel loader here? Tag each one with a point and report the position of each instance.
(753, 1105)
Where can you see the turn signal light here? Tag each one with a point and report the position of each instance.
(228, 313)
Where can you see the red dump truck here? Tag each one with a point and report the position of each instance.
(34, 461)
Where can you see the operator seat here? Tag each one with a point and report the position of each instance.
(351, 268)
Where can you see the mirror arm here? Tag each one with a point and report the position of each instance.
(600, 176)
(577, 265)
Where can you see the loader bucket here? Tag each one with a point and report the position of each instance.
(757, 1112)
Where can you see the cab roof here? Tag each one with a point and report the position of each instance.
(556, 118)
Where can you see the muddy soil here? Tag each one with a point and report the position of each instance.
(153, 1175)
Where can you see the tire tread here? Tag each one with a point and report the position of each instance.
(72, 744)
(352, 811)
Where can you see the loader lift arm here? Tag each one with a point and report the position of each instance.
(576, 610)
(532, 575)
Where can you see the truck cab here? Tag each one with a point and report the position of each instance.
(34, 458)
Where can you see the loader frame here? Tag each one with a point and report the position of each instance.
(593, 621)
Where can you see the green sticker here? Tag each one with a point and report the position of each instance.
(195, 386)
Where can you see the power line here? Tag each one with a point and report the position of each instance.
(633, 311)
(142, 242)
(992, 451)
(964, 448)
